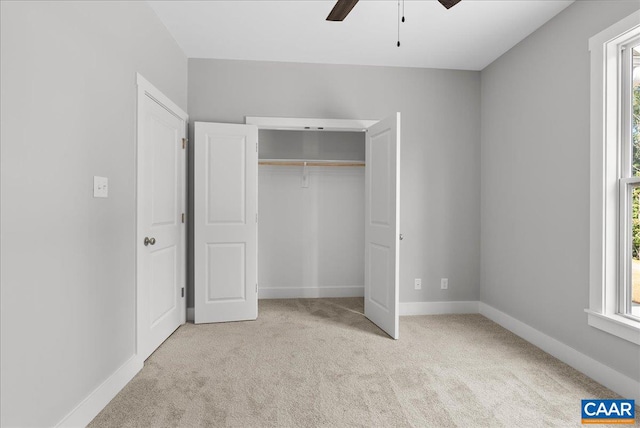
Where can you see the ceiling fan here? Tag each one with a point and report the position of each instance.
(343, 7)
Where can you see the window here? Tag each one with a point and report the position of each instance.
(614, 300)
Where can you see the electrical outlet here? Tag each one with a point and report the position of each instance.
(417, 283)
(444, 283)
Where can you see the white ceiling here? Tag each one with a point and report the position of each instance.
(468, 36)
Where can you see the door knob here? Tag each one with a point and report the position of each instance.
(148, 241)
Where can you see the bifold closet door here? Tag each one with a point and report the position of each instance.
(382, 217)
(225, 222)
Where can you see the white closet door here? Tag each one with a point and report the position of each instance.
(382, 217)
(225, 222)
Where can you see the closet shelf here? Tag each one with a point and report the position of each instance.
(302, 162)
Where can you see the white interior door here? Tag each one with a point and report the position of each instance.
(161, 231)
(225, 222)
(382, 216)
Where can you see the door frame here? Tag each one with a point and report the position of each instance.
(146, 89)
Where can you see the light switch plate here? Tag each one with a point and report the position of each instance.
(100, 187)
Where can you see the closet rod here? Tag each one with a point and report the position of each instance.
(293, 162)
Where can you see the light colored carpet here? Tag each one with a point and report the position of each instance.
(321, 363)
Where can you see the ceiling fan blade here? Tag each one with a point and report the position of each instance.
(341, 10)
(449, 3)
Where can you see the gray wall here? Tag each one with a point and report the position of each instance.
(67, 114)
(535, 182)
(440, 147)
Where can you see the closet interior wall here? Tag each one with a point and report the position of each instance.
(311, 219)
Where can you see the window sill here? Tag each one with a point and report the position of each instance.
(617, 325)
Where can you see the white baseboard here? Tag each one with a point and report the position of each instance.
(191, 314)
(438, 308)
(102, 395)
(612, 379)
(310, 292)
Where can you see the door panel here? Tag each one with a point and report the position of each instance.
(226, 232)
(161, 172)
(382, 216)
(164, 171)
(379, 261)
(225, 272)
(164, 279)
(226, 179)
(379, 160)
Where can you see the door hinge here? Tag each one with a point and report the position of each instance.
(182, 291)
(184, 143)
(256, 288)
(183, 217)
(256, 147)
(256, 217)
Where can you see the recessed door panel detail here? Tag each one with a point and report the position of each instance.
(225, 272)
(380, 170)
(379, 260)
(226, 179)
(164, 166)
(163, 282)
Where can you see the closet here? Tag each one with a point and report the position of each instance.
(310, 211)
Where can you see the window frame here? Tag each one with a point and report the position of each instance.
(611, 181)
